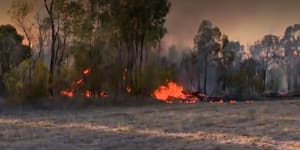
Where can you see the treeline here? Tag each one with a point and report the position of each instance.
(227, 68)
(119, 41)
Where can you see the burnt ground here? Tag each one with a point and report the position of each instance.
(260, 125)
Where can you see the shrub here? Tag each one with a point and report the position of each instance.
(27, 82)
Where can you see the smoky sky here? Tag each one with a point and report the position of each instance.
(243, 20)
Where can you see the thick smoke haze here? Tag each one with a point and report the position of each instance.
(243, 20)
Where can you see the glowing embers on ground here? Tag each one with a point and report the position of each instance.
(75, 86)
(172, 93)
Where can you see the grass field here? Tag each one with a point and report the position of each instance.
(261, 125)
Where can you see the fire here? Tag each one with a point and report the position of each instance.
(88, 93)
(103, 94)
(67, 93)
(128, 89)
(86, 71)
(74, 85)
(79, 82)
(172, 90)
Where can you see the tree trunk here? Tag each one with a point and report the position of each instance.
(49, 9)
(205, 74)
(142, 51)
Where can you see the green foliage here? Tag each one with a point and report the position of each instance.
(38, 87)
(13, 83)
(26, 88)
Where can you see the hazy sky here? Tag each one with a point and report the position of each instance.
(4, 6)
(244, 20)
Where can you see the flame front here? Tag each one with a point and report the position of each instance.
(172, 90)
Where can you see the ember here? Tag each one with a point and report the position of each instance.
(79, 82)
(86, 71)
(103, 94)
(128, 89)
(88, 93)
(67, 93)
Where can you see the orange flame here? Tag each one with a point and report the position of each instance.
(86, 71)
(67, 93)
(128, 89)
(79, 82)
(103, 94)
(88, 93)
(172, 90)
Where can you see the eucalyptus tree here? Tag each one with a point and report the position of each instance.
(270, 50)
(20, 12)
(291, 45)
(207, 43)
(138, 26)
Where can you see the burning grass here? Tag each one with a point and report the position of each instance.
(199, 126)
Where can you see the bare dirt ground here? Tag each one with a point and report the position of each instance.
(261, 125)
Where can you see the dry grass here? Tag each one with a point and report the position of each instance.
(262, 125)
